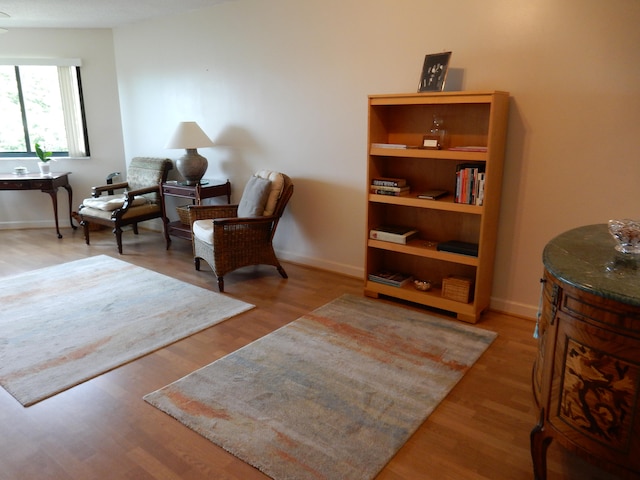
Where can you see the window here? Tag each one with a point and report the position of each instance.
(41, 102)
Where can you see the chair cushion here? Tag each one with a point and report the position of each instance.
(109, 203)
(277, 184)
(254, 197)
(203, 229)
(90, 214)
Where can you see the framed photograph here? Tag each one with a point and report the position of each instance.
(434, 72)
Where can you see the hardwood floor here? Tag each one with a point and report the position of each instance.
(103, 429)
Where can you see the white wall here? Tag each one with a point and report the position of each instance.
(95, 49)
(283, 84)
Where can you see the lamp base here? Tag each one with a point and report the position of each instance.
(192, 166)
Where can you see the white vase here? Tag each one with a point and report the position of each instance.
(45, 168)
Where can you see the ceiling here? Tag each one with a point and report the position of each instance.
(90, 13)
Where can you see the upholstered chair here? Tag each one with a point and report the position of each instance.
(140, 201)
(228, 237)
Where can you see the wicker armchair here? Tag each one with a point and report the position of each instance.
(238, 242)
(141, 200)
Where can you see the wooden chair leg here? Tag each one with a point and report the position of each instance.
(118, 233)
(167, 237)
(134, 226)
(85, 229)
(196, 262)
(221, 284)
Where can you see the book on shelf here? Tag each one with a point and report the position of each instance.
(394, 193)
(394, 279)
(470, 183)
(388, 145)
(393, 233)
(389, 182)
(406, 188)
(432, 194)
(456, 246)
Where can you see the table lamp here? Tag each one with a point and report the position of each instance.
(192, 166)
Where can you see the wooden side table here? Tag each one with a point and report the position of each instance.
(207, 188)
(47, 184)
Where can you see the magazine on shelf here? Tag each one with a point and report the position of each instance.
(394, 279)
(432, 194)
(469, 148)
(388, 145)
(455, 246)
(393, 233)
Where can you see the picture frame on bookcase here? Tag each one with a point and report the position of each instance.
(434, 72)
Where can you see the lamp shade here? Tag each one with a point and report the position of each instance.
(189, 135)
(192, 166)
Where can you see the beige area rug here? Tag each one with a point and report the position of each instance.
(65, 324)
(333, 395)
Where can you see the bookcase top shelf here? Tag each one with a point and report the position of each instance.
(483, 96)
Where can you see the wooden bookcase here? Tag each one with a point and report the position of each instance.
(470, 119)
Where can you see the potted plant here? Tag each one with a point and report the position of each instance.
(45, 157)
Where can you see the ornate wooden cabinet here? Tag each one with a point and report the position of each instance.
(586, 378)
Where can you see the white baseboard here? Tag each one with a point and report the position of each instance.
(349, 270)
(21, 225)
(514, 308)
(154, 225)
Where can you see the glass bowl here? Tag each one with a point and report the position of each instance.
(627, 234)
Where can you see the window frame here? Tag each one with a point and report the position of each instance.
(81, 119)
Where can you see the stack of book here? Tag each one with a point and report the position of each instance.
(470, 183)
(389, 186)
(395, 279)
(393, 233)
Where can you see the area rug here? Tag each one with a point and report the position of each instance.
(332, 395)
(65, 324)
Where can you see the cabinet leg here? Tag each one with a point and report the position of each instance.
(539, 444)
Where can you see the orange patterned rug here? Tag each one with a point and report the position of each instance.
(332, 395)
(68, 323)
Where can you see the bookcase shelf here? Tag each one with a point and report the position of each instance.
(397, 124)
(412, 200)
(426, 249)
(422, 153)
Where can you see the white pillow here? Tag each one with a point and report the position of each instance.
(254, 197)
(277, 184)
(109, 203)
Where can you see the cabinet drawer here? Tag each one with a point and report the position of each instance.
(41, 184)
(600, 312)
(179, 191)
(22, 185)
